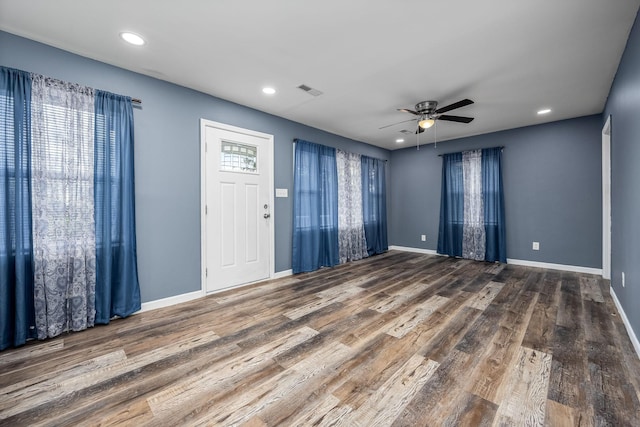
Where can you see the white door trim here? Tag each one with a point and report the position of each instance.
(606, 199)
(204, 123)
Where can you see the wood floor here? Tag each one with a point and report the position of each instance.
(399, 339)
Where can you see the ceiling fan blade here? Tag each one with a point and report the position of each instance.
(404, 121)
(419, 130)
(405, 110)
(459, 119)
(455, 105)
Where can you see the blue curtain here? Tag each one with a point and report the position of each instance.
(117, 287)
(451, 206)
(17, 322)
(315, 207)
(374, 204)
(493, 198)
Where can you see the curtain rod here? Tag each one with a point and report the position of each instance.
(296, 139)
(136, 101)
(443, 154)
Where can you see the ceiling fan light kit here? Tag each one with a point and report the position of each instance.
(426, 123)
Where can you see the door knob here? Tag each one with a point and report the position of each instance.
(267, 215)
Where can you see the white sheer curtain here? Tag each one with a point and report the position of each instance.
(473, 233)
(352, 245)
(63, 206)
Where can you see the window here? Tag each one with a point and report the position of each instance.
(8, 179)
(101, 157)
(238, 157)
(63, 166)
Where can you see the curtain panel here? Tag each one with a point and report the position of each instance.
(117, 287)
(494, 216)
(374, 202)
(17, 321)
(315, 208)
(472, 219)
(473, 236)
(351, 238)
(450, 232)
(62, 119)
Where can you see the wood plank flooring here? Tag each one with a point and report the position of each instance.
(399, 339)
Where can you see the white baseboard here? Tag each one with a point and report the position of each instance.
(625, 320)
(281, 274)
(573, 268)
(177, 299)
(166, 302)
(416, 250)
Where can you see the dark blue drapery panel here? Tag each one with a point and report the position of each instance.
(374, 204)
(451, 206)
(493, 199)
(17, 322)
(315, 207)
(117, 287)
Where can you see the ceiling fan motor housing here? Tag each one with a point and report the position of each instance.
(426, 107)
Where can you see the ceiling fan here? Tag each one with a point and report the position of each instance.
(427, 113)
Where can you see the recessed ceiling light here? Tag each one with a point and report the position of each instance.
(268, 90)
(545, 111)
(399, 140)
(132, 38)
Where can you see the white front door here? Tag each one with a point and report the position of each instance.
(237, 206)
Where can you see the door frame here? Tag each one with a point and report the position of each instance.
(204, 124)
(606, 199)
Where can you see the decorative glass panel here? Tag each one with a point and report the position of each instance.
(238, 157)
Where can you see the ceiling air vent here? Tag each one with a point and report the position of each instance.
(406, 132)
(310, 90)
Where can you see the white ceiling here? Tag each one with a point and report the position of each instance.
(368, 57)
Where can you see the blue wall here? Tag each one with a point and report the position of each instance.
(167, 160)
(624, 107)
(552, 185)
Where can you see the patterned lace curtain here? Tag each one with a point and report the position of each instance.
(473, 233)
(352, 245)
(63, 206)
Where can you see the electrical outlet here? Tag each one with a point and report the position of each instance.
(623, 279)
(423, 237)
(536, 246)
